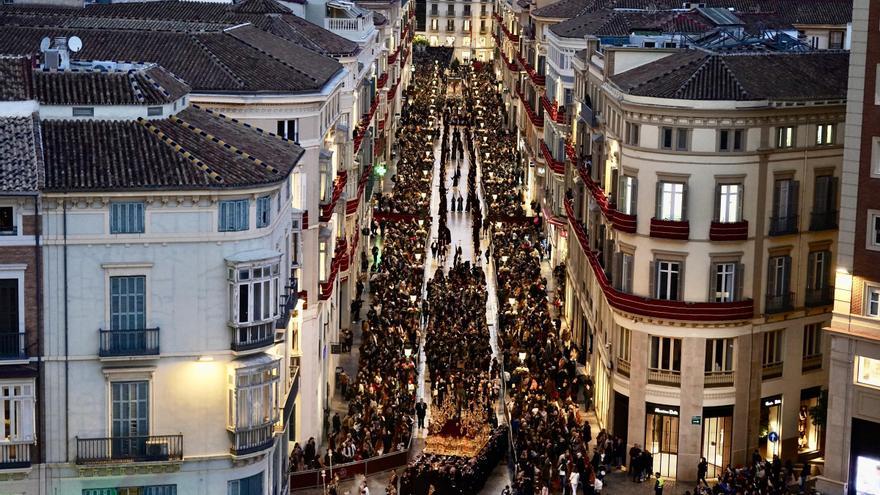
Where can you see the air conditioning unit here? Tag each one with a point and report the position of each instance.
(157, 448)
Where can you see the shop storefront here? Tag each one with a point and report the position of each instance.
(661, 437)
(602, 395)
(770, 440)
(809, 434)
(864, 463)
(717, 438)
(621, 416)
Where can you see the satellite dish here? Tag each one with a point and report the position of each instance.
(74, 44)
(44, 45)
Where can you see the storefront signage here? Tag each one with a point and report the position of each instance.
(696, 420)
(665, 410)
(772, 402)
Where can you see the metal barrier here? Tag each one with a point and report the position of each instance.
(301, 480)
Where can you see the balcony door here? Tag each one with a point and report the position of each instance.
(128, 313)
(9, 317)
(130, 421)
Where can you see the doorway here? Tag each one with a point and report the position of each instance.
(661, 438)
(717, 438)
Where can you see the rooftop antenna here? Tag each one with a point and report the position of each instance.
(45, 44)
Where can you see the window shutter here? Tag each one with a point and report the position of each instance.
(771, 277)
(634, 196)
(777, 199)
(616, 279)
(684, 203)
(652, 280)
(621, 190)
(659, 201)
(786, 280)
(713, 279)
(794, 188)
(680, 294)
(739, 202)
(811, 271)
(739, 280)
(826, 270)
(832, 193)
(820, 196)
(717, 203)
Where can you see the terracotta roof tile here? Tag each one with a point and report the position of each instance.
(20, 164)
(194, 149)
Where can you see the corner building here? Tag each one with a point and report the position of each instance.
(702, 223)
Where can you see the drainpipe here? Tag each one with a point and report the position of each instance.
(39, 289)
(66, 342)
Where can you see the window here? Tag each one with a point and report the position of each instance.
(11, 332)
(450, 26)
(254, 397)
(785, 206)
(825, 134)
(263, 210)
(819, 266)
(130, 416)
(835, 40)
(667, 279)
(450, 9)
(779, 272)
(133, 490)
(483, 25)
(824, 214)
(624, 338)
(154, 111)
(726, 282)
(632, 134)
(482, 10)
(649, 44)
(874, 227)
(435, 24)
(812, 340)
(674, 138)
(665, 354)
(467, 25)
(627, 198)
(785, 137)
(17, 412)
(256, 291)
(467, 10)
(868, 371)
(289, 129)
(234, 215)
(773, 347)
(719, 355)
(128, 303)
(127, 217)
(731, 140)
(669, 44)
(872, 303)
(252, 485)
(7, 221)
(671, 201)
(627, 264)
(434, 8)
(83, 111)
(728, 205)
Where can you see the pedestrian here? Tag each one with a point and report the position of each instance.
(702, 469)
(574, 478)
(421, 411)
(658, 485)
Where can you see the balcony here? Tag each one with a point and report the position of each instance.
(12, 345)
(823, 220)
(556, 165)
(784, 225)
(811, 363)
(670, 229)
(779, 303)
(289, 303)
(125, 343)
(252, 440)
(353, 28)
(771, 370)
(623, 222)
(664, 377)
(15, 455)
(653, 308)
(718, 379)
(729, 231)
(252, 337)
(623, 367)
(153, 448)
(821, 296)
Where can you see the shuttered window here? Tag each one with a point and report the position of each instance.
(263, 210)
(127, 303)
(127, 217)
(234, 215)
(671, 201)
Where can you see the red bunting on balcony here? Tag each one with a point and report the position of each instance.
(656, 308)
(555, 165)
(338, 187)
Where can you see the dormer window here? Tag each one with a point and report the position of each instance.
(83, 111)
